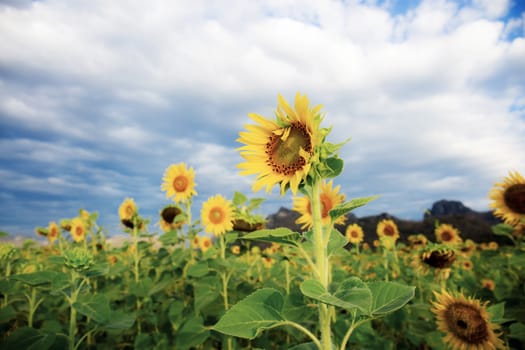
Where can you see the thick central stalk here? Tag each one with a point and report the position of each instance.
(322, 263)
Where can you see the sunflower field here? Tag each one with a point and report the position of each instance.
(222, 280)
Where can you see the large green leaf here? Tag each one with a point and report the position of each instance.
(199, 269)
(258, 311)
(388, 297)
(336, 241)
(95, 307)
(280, 235)
(120, 320)
(191, 334)
(351, 294)
(345, 208)
(36, 278)
(30, 339)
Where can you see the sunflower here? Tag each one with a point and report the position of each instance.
(268, 261)
(488, 284)
(354, 233)
(509, 199)
(465, 322)
(281, 151)
(447, 234)
(205, 243)
(195, 242)
(78, 229)
(168, 218)
(387, 228)
(127, 209)
(217, 215)
(329, 198)
(179, 182)
(235, 249)
(52, 232)
(417, 241)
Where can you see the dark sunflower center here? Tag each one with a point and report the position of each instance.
(79, 231)
(440, 260)
(283, 150)
(446, 236)
(389, 231)
(216, 215)
(169, 214)
(354, 234)
(467, 323)
(514, 198)
(180, 183)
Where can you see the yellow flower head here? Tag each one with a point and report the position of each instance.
(217, 215)
(488, 284)
(281, 151)
(387, 230)
(195, 242)
(235, 249)
(268, 261)
(354, 233)
(78, 229)
(205, 243)
(179, 182)
(465, 322)
(329, 198)
(53, 232)
(127, 209)
(508, 199)
(447, 234)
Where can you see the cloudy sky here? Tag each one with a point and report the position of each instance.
(98, 98)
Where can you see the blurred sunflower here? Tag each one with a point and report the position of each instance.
(354, 233)
(447, 234)
(205, 243)
(52, 232)
(417, 241)
(268, 261)
(235, 249)
(168, 218)
(465, 322)
(179, 182)
(281, 151)
(488, 283)
(195, 242)
(78, 229)
(388, 233)
(127, 209)
(509, 199)
(329, 198)
(217, 215)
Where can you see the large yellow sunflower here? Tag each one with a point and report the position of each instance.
(281, 151)
(354, 233)
(465, 322)
(217, 215)
(179, 182)
(127, 209)
(329, 197)
(509, 199)
(447, 234)
(78, 229)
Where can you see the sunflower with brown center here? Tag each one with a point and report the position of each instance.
(217, 215)
(52, 232)
(388, 233)
(168, 218)
(447, 234)
(205, 243)
(465, 322)
(179, 182)
(78, 229)
(281, 151)
(329, 198)
(508, 199)
(354, 233)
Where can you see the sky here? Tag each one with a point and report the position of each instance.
(98, 98)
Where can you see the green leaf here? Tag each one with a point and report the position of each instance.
(280, 235)
(95, 307)
(199, 269)
(191, 334)
(315, 290)
(336, 241)
(356, 292)
(331, 167)
(30, 339)
(388, 297)
(497, 312)
(517, 330)
(239, 198)
(175, 313)
(36, 278)
(255, 313)
(120, 320)
(255, 203)
(345, 208)
(230, 237)
(305, 346)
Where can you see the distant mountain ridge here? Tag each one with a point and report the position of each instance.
(471, 224)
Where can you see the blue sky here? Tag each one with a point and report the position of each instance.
(98, 98)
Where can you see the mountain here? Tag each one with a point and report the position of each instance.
(471, 224)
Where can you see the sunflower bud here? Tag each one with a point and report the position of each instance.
(78, 259)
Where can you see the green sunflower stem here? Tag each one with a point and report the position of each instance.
(323, 265)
